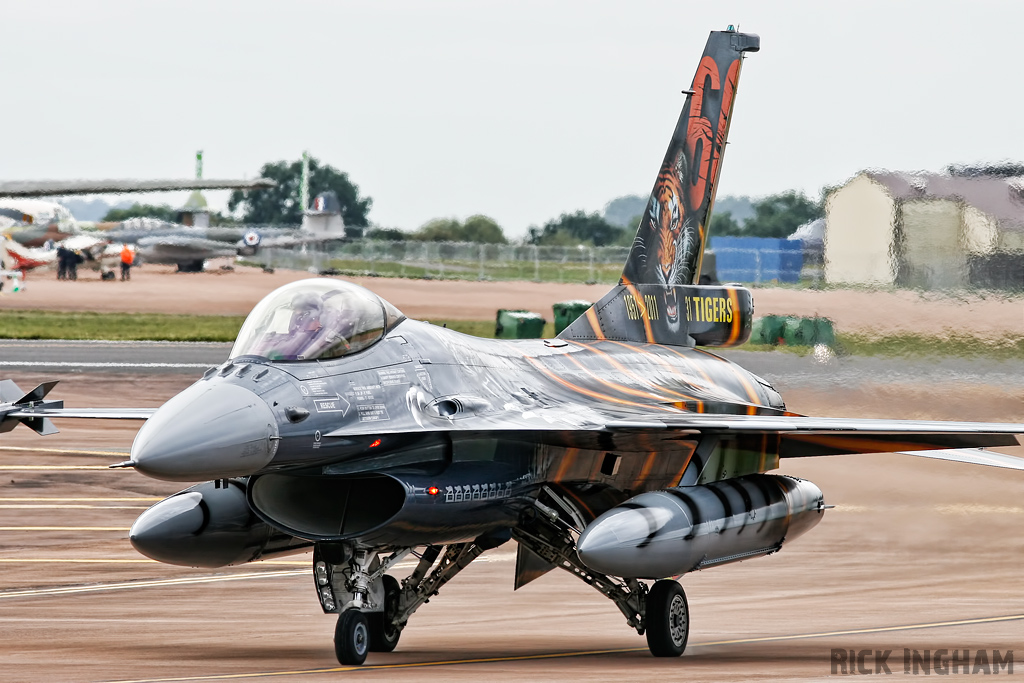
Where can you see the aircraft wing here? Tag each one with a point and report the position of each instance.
(47, 188)
(797, 436)
(814, 436)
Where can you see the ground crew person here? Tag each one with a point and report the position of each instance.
(127, 257)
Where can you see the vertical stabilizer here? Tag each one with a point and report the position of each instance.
(659, 299)
(670, 240)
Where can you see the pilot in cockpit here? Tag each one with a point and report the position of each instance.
(311, 319)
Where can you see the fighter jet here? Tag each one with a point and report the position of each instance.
(188, 246)
(622, 451)
(37, 221)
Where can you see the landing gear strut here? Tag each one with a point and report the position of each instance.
(373, 607)
(661, 613)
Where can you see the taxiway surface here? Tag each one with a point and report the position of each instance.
(918, 554)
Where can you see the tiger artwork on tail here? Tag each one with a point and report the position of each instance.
(672, 231)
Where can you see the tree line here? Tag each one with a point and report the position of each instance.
(777, 215)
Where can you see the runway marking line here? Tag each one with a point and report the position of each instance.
(96, 364)
(28, 499)
(559, 655)
(181, 581)
(118, 560)
(65, 451)
(52, 468)
(188, 580)
(63, 528)
(68, 506)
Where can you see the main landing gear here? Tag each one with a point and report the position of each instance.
(661, 613)
(373, 607)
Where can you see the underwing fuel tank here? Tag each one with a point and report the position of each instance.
(208, 525)
(679, 530)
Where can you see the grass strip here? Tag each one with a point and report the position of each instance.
(161, 326)
(216, 328)
(118, 326)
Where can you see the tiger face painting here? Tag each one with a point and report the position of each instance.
(672, 239)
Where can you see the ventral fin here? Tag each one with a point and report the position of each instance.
(529, 566)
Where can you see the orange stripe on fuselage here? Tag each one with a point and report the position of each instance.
(682, 471)
(618, 387)
(616, 364)
(737, 326)
(593, 394)
(567, 460)
(595, 323)
(642, 305)
(645, 471)
(742, 377)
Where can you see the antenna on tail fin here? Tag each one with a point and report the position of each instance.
(669, 242)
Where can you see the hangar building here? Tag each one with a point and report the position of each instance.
(926, 230)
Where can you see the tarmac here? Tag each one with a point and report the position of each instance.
(917, 554)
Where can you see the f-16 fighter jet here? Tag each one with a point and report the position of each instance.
(621, 451)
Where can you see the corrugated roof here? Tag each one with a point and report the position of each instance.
(1000, 198)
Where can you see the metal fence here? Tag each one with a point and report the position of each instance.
(471, 261)
(454, 261)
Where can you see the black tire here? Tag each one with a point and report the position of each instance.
(383, 635)
(668, 619)
(351, 637)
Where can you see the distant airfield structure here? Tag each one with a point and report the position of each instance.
(928, 231)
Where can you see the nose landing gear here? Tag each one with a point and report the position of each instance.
(352, 637)
(373, 607)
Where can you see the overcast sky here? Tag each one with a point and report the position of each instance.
(518, 110)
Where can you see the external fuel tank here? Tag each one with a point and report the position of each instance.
(679, 530)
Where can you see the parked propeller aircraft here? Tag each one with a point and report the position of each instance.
(621, 451)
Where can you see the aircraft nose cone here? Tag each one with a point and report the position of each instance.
(169, 521)
(208, 431)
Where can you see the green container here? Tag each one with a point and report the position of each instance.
(824, 331)
(518, 325)
(566, 313)
(768, 330)
(793, 331)
(798, 331)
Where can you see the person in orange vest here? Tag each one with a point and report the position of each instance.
(127, 258)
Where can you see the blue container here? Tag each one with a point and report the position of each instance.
(757, 259)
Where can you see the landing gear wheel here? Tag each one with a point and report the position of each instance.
(667, 619)
(383, 634)
(351, 637)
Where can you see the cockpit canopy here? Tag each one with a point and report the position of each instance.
(314, 319)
